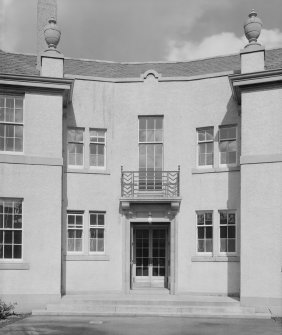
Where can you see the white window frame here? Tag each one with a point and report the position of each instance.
(228, 140)
(204, 253)
(104, 144)
(76, 142)
(149, 143)
(75, 227)
(13, 260)
(204, 142)
(99, 227)
(226, 253)
(14, 123)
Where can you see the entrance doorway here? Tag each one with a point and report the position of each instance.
(150, 256)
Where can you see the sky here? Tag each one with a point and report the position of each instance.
(142, 30)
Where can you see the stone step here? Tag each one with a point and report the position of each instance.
(159, 313)
(137, 302)
(128, 308)
(131, 305)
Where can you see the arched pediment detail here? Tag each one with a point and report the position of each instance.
(150, 73)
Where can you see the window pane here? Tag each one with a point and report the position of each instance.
(100, 244)
(7, 251)
(8, 221)
(151, 123)
(17, 251)
(100, 233)
(78, 233)
(209, 147)
(201, 135)
(93, 219)
(70, 244)
(142, 123)
(208, 217)
(208, 232)
(201, 232)
(223, 146)
(71, 219)
(1, 251)
(223, 218)
(223, 245)
(79, 148)
(78, 244)
(209, 134)
(17, 221)
(19, 103)
(93, 245)
(150, 136)
(232, 157)
(1, 114)
(70, 233)
(9, 144)
(200, 219)
(79, 219)
(209, 158)
(19, 115)
(79, 159)
(158, 135)
(142, 135)
(202, 160)
(100, 220)
(231, 218)
(10, 115)
(231, 245)
(18, 144)
(1, 222)
(209, 245)
(8, 236)
(201, 244)
(231, 232)
(223, 232)
(17, 237)
(202, 148)
(159, 123)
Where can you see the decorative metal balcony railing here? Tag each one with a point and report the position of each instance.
(164, 184)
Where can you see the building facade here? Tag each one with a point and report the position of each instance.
(127, 176)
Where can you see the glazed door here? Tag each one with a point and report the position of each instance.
(150, 257)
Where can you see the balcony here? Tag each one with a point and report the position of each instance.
(150, 185)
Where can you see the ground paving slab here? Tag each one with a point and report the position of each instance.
(59, 325)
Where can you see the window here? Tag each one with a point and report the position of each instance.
(97, 148)
(205, 146)
(75, 147)
(150, 152)
(97, 230)
(75, 232)
(204, 232)
(227, 231)
(10, 229)
(228, 145)
(11, 123)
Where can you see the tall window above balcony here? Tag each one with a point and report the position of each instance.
(75, 147)
(150, 143)
(150, 152)
(11, 123)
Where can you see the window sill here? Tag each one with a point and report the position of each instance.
(86, 258)
(14, 266)
(215, 170)
(88, 171)
(215, 259)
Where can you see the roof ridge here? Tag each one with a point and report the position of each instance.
(138, 63)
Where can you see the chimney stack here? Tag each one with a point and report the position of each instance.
(45, 10)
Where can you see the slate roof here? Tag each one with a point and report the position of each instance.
(24, 64)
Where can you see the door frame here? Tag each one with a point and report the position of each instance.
(149, 281)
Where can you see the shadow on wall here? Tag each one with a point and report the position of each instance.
(68, 120)
(232, 117)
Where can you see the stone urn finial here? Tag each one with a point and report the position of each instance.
(252, 28)
(52, 34)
